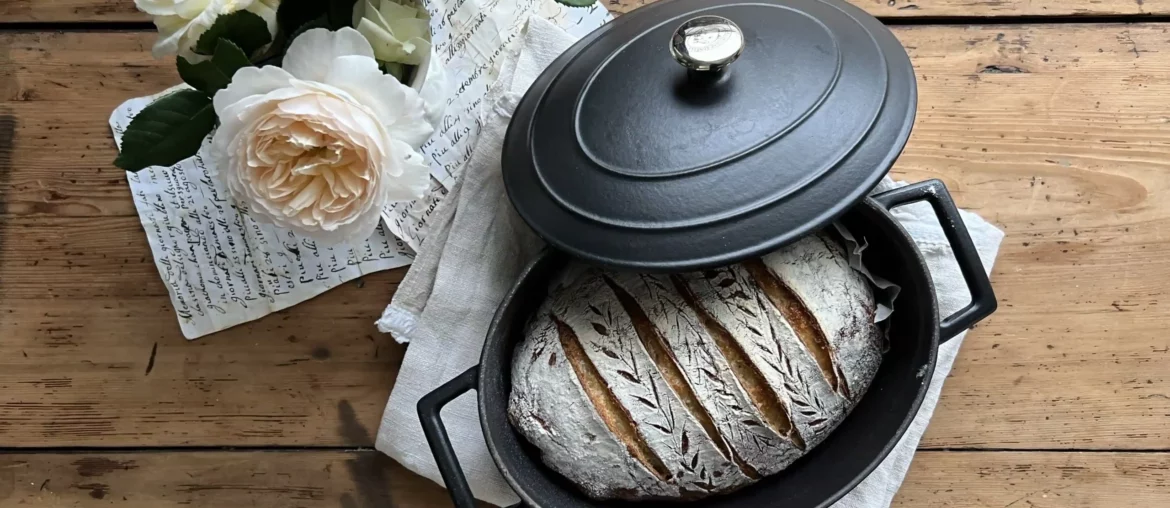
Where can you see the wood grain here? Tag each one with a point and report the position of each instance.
(1036, 480)
(1050, 132)
(117, 372)
(69, 11)
(346, 479)
(80, 11)
(1053, 132)
(57, 91)
(353, 479)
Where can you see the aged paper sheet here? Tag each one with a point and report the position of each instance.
(470, 39)
(223, 268)
(220, 266)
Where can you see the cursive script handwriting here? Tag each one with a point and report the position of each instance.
(221, 266)
(472, 37)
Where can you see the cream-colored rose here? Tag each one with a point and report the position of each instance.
(400, 34)
(180, 23)
(321, 145)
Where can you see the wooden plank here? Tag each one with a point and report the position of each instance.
(82, 11)
(1050, 131)
(1036, 480)
(117, 372)
(91, 351)
(57, 91)
(85, 258)
(69, 11)
(352, 479)
(275, 479)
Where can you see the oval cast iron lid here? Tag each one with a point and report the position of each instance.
(623, 157)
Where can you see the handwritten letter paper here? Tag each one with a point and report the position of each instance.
(470, 39)
(221, 267)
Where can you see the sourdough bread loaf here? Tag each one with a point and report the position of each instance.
(679, 386)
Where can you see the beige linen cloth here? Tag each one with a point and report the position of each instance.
(472, 257)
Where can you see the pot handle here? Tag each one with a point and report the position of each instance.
(429, 408)
(983, 301)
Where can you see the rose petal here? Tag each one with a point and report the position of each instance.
(413, 178)
(387, 47)
(363, 81)
(350, 183)
(250, 81)
(171, 30)
(322, 157)
(397, 106)
(308, 195)
(181, 22)
(389, 9)
(311, 54)
(357, 229)
(410, 28)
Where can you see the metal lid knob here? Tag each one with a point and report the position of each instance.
(707, 43)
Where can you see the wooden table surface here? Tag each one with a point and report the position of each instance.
(1051, 118)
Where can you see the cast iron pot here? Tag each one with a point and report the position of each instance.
(828, 471)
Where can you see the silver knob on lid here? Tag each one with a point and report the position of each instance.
(707, 43)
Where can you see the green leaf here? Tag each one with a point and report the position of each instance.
(246, 30)
(167, 131)
(341, 14)
(203, 76)
(229, 57)
(213, 75)
(577, 3)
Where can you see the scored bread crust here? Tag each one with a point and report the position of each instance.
(549, 407)
(855, 339)
(741, 426)
(639, 386)
(608, 337)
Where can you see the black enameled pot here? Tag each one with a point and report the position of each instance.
(828, 471)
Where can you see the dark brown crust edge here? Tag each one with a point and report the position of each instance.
(612, 413)
(803, 323)
(667, 365)
(772, 409)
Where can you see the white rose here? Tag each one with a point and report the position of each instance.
(321, 145)
(399, 33)
(180, 23)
